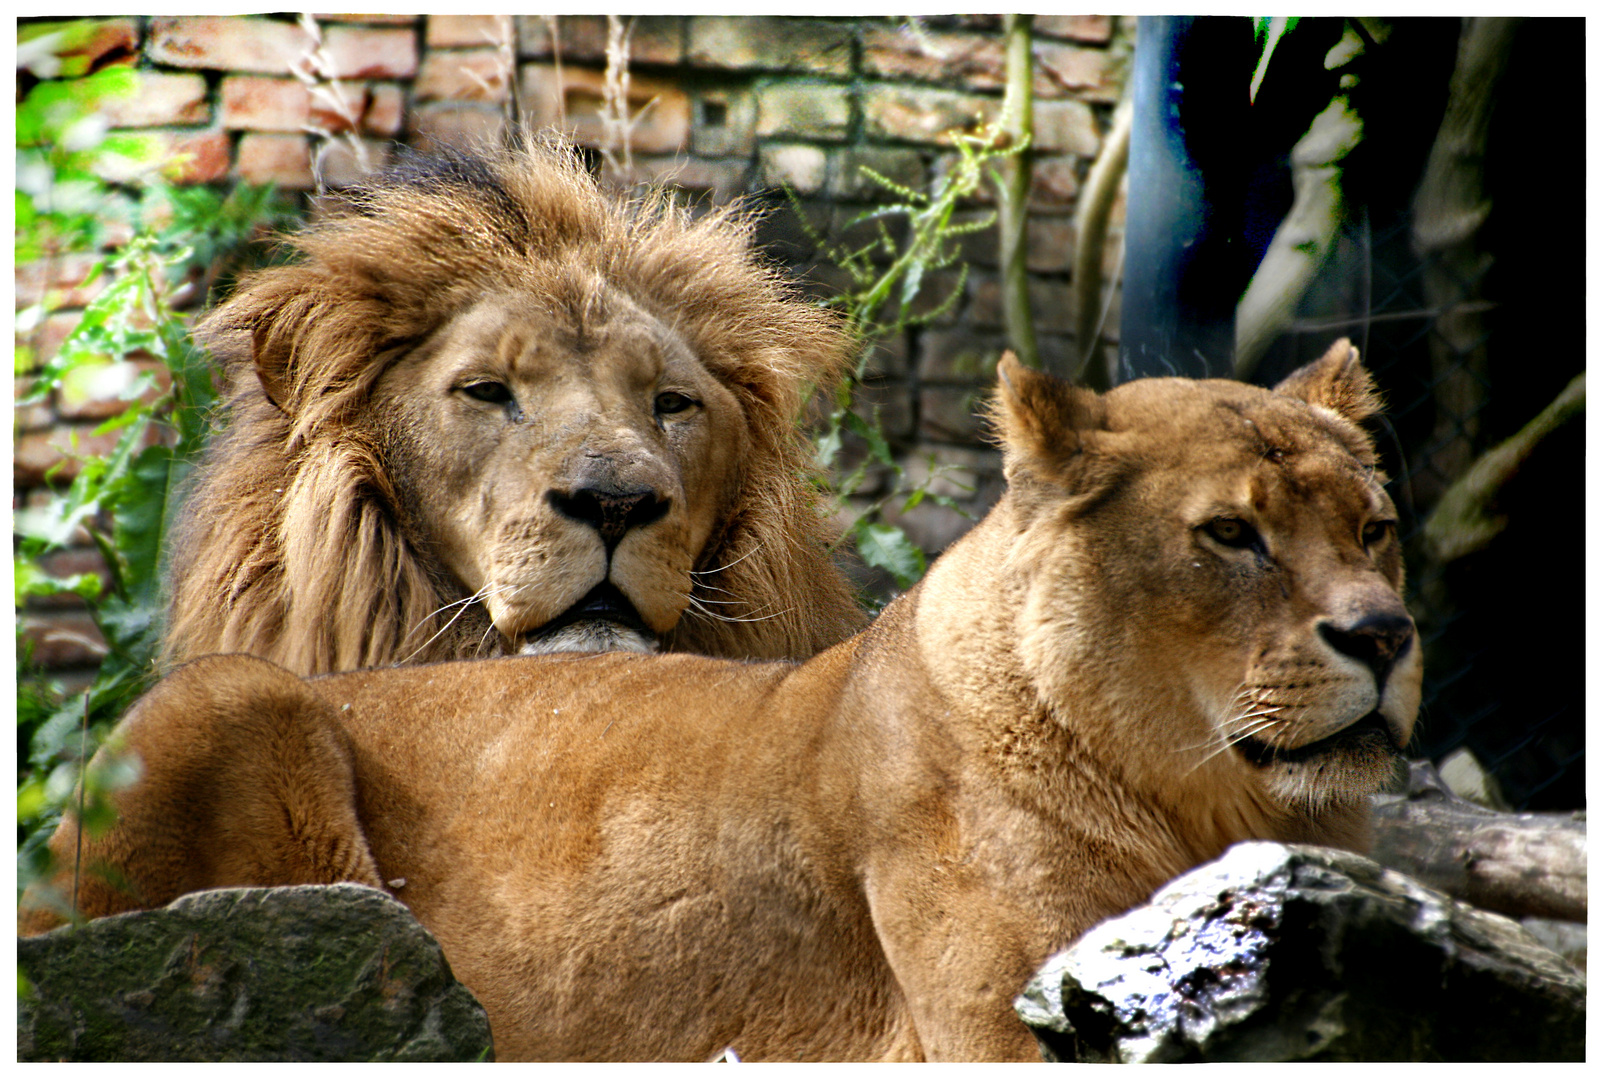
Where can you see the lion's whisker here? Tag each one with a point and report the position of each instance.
(726, 566)
(487, 590)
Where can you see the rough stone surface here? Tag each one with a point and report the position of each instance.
(1283, 953)
(314, 973)
(797, 166)
(804, 111)
(1091, 28)
(745, 41)
(655, 39)
(915, 114)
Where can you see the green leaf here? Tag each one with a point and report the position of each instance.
(1268, 32)
(888, 547)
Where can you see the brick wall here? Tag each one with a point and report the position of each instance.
(737, 106)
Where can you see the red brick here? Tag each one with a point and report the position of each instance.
(337, 106)
(1054, 181)
(275, 159)
(63, 278)
(376, 20)
(97, 45)
(362, 53)
(1095, 29)
(34, 417)
(385, 109)
(1089, 74)
(342, 166)
(160, 99)
(63, 640)
(206, 157)
(448, 124)
(185, 157)
(95, 393)
(662, 128)
(1049, 243)
(45, 340)
(37, 451)
(462, 75)
(1066, 127)
(228, 43)
(467, 31)
(258, 103)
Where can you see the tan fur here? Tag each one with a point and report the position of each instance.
(359, 508)
(864, 856)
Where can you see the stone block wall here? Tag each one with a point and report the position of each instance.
(724, 107)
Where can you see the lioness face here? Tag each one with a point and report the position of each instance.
(565, 462)
(1257, 554)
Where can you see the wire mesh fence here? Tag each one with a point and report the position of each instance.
(1502, 626)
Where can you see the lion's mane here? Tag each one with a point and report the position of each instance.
(289, 546)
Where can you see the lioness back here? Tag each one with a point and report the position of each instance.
(1181, 627)
(494, 409)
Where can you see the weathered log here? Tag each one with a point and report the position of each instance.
(1516, 864)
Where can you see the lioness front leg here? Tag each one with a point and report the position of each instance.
(960, 959)
(246, 779)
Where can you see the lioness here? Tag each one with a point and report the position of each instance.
(1180, 628)
(491, 408)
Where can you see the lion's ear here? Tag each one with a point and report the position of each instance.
(1041, 420)
(1337, 381)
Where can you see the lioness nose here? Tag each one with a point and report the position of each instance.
(610, 513)
(1377, 639)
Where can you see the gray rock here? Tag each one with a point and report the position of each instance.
(312, 973)
(1285, 953)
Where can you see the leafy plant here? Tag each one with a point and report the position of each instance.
(887, 279)
(131, 345)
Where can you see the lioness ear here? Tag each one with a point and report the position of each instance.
(1336, 381)
(1041, 420)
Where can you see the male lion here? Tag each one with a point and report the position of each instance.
(492, 409)
(1180, 628)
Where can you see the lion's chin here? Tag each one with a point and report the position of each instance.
(589, 635)
(602, 621)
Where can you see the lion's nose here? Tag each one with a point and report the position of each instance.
(610, 513)
(1377, 639)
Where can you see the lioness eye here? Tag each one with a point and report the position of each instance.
(1231, 532)
(492, 392)
(1376, 531)
(671, 402)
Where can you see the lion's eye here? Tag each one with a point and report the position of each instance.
(488, 391)
(670, 402)
(1377, 531)
(1232, 532)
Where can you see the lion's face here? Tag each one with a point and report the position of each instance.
(565, 465)
(1244, 556)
